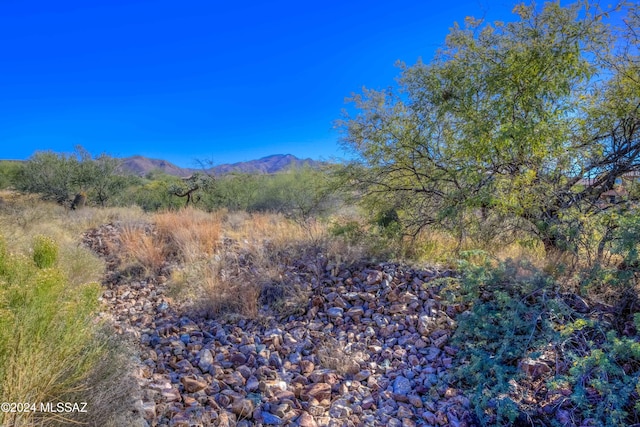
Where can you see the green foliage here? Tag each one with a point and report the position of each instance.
(60, 177)
(45, 251)
(191, 187)
(518, 314)
(300, 193)
(48, 345)
(604, 376)
(152, 194)
(511, 318)
(237, 192)
(9, 171)
(503, 123)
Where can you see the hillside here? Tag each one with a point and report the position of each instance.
(140, 165)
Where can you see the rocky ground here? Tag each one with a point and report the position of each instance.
(369, 348)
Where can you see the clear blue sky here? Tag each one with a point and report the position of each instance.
(210, 80)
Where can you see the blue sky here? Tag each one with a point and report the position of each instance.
(208, 80)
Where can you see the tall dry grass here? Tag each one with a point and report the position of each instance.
(227, 259)
(141, 246)
(191, 233)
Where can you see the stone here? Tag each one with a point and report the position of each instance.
(338, 410)
(404, 412)
(317, 391)
(270, 419)
(192, 385)
(306, 367)
(362, 375)
(393, 325)
(534, 368)
(149, 410)
(234, 379)
(243, 408)
(252, 384)
(335, 312)
(171, 395)
(205, 360)
(306, 420)
(402, 386)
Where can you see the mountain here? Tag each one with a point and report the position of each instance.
(141, 166)
(270, 164)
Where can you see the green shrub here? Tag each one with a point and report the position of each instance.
(50, 347)
(519, 314)
(45, 251)
(511, 318)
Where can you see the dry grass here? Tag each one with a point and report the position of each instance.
(193, 234)
(232, 262)
(334, 355)
(141, 245)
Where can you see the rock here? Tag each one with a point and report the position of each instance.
(275, 360)
(391, 323)
(339, 410)
(368, 403)
(534, 368)
(404, 412)
(271, 419)
(224, 420)
(205, 358)
(252, 384)
(192, 385)
(234, 379)
(306, 367)
(429, 417)
(171, 395)
(243, 408)
(317, 391)
(306, 420)
(402, 386)
(415, 400)
(426, 324)
(408, 422)
(362, 375)
(180, 420)
(149, 410)
(335, 312)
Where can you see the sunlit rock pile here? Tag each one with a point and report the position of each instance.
(370, 348)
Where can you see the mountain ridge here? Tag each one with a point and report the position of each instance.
(141, 165)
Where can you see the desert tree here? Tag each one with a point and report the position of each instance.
(531, 121)
(61, 177)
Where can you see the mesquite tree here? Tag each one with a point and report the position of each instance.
(530, 121)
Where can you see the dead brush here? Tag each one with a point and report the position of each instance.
(229, 288)
(241, 272)
(140, 245)
(334, 355)
(190, 233)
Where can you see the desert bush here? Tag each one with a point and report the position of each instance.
(49, 341)
(59, 177)
(9, 171)
(45, 251)
(152, 194)
(585, 360)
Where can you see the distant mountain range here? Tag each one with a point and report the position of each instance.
(141, 166)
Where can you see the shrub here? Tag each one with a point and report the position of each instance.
(49, 343)
(45, 251)
(531, 353)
